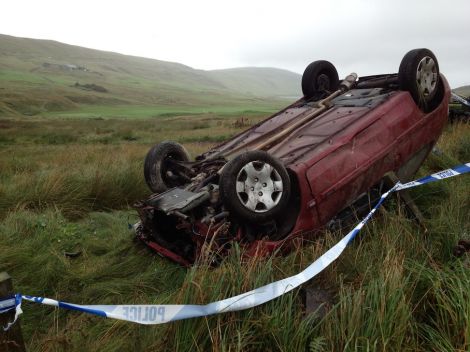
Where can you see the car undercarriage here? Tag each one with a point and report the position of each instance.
(308, 167)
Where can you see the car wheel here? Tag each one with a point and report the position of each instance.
(419, 75)
(158, 166)
(254, 186)
(319, 77)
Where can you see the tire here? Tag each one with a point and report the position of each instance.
(419, 75)
(254, 187)
(156, 165)
(318, 77)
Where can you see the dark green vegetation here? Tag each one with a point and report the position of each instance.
(67, 185)
(42, 77)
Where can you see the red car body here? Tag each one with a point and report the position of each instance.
(332, 159)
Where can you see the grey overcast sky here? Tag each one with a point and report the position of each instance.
(367, 37)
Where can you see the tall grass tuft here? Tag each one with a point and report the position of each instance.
(76, 181)
(375, 314)
(445, 305)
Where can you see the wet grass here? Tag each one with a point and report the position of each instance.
(79, 166)
(395, 287)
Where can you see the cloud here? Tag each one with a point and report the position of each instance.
(368, 37)
(371, 38)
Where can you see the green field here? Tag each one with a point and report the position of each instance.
(135, 111)
(68, 185)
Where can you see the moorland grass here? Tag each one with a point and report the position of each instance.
(394, 288)
(143, 112)
(79, 166)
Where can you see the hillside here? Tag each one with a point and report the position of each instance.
(40, 76)
(259, 81)
(463, 91)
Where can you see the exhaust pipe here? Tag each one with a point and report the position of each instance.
(323, 105)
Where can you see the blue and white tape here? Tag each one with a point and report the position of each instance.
(455, 171)
(9, 303)
(159, 314)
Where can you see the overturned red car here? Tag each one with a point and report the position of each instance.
(298, 171)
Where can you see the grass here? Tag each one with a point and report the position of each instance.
(144, 112)
(53, 131)
(79, 166)
(67, 185)
(11, 75)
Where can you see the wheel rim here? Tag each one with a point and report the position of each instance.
(323, 82)
(426, 76)
(259, 186)
(167, 171)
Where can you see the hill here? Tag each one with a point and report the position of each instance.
(463, 91)
(42, 76)
(259, 81)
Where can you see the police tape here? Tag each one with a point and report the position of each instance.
(159, 314)
(9, 303)
(457, 170)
